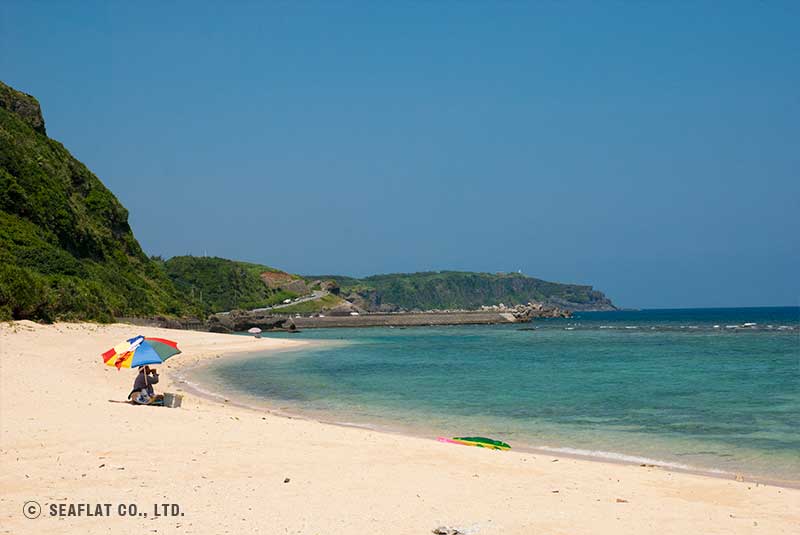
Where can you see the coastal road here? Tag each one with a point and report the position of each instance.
(316, 294)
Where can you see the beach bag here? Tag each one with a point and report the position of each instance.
(172, 400)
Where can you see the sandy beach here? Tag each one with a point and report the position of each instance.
(234, 470)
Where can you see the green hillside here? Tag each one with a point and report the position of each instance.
(309, 307)
(66, 249)
(221, 284)
(464, 290)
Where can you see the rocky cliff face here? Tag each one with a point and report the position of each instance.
(23, 106)
(371, 301)
(597, 302)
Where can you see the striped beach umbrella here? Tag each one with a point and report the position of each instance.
(140, 351)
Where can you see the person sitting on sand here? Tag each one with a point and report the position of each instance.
(143, 393)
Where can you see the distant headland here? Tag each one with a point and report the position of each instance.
(67, 252)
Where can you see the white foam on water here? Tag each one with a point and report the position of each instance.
(197, 388)
(621, 457)
(358, 425)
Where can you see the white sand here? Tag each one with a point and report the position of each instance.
(62, 442)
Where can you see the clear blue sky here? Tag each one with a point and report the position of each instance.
(650, 150)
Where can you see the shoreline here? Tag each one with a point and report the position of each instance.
(226, 467)
(233, 397)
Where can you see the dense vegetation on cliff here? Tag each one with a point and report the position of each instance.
(221, 284)
(66, 250)
(466, 290)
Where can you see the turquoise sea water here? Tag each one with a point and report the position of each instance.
(692, 388)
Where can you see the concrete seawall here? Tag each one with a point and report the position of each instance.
(406, 319)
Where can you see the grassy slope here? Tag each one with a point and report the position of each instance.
(222, 284)
(66, 249)
(307, 307)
